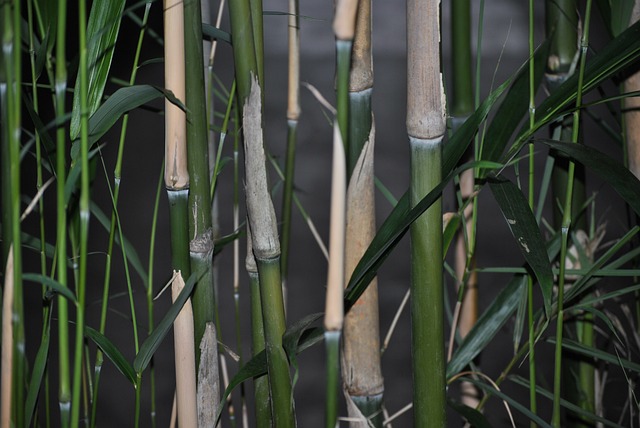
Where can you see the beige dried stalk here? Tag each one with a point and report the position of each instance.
(176, 176)
(185, 359)
(334, 307)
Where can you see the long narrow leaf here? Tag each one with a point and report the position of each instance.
(152, 342)
(113, 353)
(524, 228)
(51, 283)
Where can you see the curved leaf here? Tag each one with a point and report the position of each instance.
(474, 417)
(611, 171)
(512, 110)
(597, 354)
(51, 283)
(152, 342)
(392, 230)
(524, 229)
(37, 373)
(489, 323)
(113, 353)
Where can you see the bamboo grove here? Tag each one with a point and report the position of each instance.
(231, 176)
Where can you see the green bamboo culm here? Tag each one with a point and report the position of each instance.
(426, 128)
(10, 92)
(344, 27)
(567, 223)
(562, 29)
(84, 214)
(200, 232)
(261, 214)
(176, 174)
(293, 115)
(361, 365)
(64, 382)
(261, 384)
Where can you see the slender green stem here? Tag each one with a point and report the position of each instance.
(462, 83)
(274, 328)
(117, 179)
(566, 221)
(61, 228)
(332, 341)
(530, 311)
(11, 62)
(261, 384)
(84, 214)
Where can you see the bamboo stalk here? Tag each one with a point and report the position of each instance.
(334, 303)
(261, 384)
(200, 231)
(562, 26)
(362, 373)
(7, 343)
(426, 127)
(293, 114)
(176, 175)
(185, 359)
(266, 249)
(566, 223)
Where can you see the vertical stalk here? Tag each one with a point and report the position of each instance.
(15, 122)
(530, 311)
(566, 221)
(84, 214)
(117, 174)
(61, 215)
(261, 384)
(293, 114)
(563, 30)
(261, 214)
(334, 303)
(344, 27)
(176, 176)
(201, 244)
(462, 105)
(200, 226)
(426, 127)
(362, 371)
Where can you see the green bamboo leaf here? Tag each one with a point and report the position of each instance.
(393, 229)
(510, 400)
(475, 418)
(597, 354)
(611, 171)
(450, 229)
(589, 416)
(514, 107)
(152, 342)
(291, 339)
(489, 323)
(113, 353)
(51, 283)
(524, 229)
(615, 14)
(223, 241)
(121, 102)
(102, 32)
(132, 255)
(37, 373)
(213, 33)
(296, 339)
